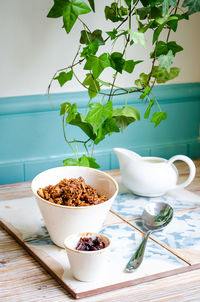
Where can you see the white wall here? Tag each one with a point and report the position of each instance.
(33, 47)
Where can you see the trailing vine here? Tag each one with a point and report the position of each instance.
(100, 118)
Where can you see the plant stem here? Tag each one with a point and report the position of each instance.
(86, 148)
(78, 141)
(92, 150)
(127, 41)
(170, 27)
(65, 137)
(157, 104)
(153, 63)
(76, 55)
(129, 19)
(85, 25)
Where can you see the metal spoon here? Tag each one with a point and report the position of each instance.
(155, 216)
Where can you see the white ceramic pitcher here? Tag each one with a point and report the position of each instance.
(151, 176)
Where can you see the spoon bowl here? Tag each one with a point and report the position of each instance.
(155, 216)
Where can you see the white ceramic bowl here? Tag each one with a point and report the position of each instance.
(87, 265)
(62, 221)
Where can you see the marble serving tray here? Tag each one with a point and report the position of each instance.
(174, 250)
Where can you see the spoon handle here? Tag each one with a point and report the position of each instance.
(137, 258)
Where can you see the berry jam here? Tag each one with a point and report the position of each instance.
(90, 244)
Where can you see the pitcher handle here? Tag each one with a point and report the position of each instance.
(191, 165)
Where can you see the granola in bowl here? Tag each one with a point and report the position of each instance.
(73, 192)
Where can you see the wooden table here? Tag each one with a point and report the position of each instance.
(23, 279)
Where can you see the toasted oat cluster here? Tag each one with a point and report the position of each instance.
(72, 192)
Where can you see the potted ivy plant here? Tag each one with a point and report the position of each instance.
(100, 118)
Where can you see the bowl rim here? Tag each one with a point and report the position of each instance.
(78, 235)
(81, 207)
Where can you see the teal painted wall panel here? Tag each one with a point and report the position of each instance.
(11, 172)
(31, 135)
(169, 150)
(194, 150)
(34, 167)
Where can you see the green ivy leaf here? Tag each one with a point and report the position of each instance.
(90, 50)
(148, 110)
(130, 65)
(163, 48)
(161, 23)
(174, 47)
(57, 9)
(70, 10)
(88, 37)
(143, 12)
(64, 77)
(97, 64)
(115, 13)
(151, 2)
(83, 161)
(108, 127)
(70, 162)
(138, 83)
(142, 81)
(143, 27)
(174, 72)
(117, 61)
(92, 4)
(166, 60)
(98, 114)
(125, 116)
(147, 90)
(128, 3)
(137, 37)
(162, 75)
(80, 122)
(74, 8)
(156, 12)
(92, 163)
(71, 113)
(86, 161)
(193, 6)
(112, 34)
(166, 5)
(64, 108)
(69, 109)
(173, 24)
(158, 117)
(94, 87)
(157, 33)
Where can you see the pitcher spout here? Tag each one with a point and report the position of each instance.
(125, 155)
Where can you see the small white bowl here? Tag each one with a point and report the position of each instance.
(87, 265)
(62, 221)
